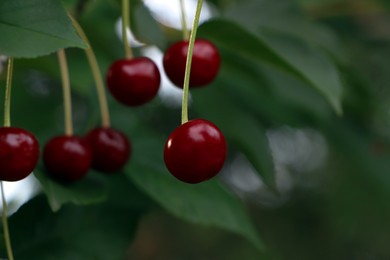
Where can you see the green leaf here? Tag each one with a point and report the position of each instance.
(146, 28)
(298, 58)
(35, 28)
(228, 35)
(239, 126)
(206, 203)
(92, 189)
(278, 16)
(274, 96)
(90, 232)
(314, 66)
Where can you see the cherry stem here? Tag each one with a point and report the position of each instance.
(184, 106)
(66, 92)
(105, 114)
(184, 26)
(7, 123)
(125, 25)
(7, 100)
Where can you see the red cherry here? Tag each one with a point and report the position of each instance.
(67, 158)
(133, 82)
(110, 149)
(195, 151)
(19, 153)
(205, 63)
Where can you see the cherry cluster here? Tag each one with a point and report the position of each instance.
(194, 152)
(68, 158)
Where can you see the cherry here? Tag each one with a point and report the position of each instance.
(67, 158)
(205, 63)
(19, 153)
(110, 149)
(195, 151)
(133, 82)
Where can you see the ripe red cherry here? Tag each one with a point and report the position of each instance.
(67, 158)
(110, 149)
(205, 63)
(133, 82)
(19, 153)
(195, 151)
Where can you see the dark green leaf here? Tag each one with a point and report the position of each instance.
(100, 232)
(90, 190)
(312, 63)
(245, 82)
(231, 36)
(206, 204)
(34, 28)
(279, 16)
(296, 57)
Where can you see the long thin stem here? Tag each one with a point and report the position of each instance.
(184, 25)
(184, 106)
(66, 92)
(7, 123)
(5, 225)
(125, 25)
(7, 100)
(105, 114)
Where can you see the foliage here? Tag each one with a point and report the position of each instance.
(295, 65)
(43, 24)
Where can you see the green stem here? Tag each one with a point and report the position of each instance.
(7, 123)
(103, 104)
(184, 26)
(7, 100)
(125, 25)
(184, 106)
(5, 225)
(66, 92)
